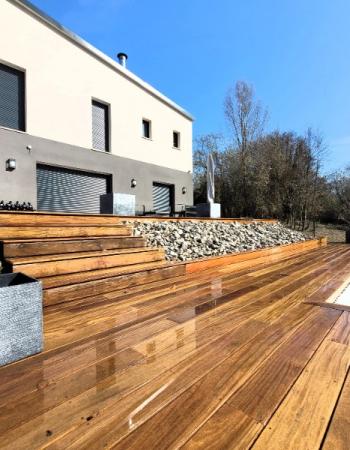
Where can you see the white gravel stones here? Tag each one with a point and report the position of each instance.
(186, 240)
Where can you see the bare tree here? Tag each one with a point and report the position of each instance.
(314, 198)
(264, 175)
(246, 119)
(341, 185)
(245, 115)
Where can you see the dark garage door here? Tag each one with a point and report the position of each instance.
(67, 190)
(162, 198)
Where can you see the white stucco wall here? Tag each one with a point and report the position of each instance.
(61, 80)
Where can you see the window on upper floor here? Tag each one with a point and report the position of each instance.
(146, 128)
(100, 126)
(12, 98)
(176, 139)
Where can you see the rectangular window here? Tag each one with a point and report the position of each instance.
(146, 128)
(176, 139)
(12, 98)
(100, 126)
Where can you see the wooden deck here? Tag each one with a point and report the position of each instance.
(228, 358)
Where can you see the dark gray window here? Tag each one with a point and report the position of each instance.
(146, 128)
(176, 139)
(100, 126)
(11, 98)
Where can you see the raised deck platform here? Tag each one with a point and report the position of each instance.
(230, 357)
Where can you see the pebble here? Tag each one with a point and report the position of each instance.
(188, 240)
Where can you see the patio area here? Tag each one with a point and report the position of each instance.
(228, 357)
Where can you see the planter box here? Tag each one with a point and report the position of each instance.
(21, 317)
(212, 210)
(117, 204)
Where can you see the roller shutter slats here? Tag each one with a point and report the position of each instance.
(11, 98)
(68, 190)
(161, 198)
(100, 126)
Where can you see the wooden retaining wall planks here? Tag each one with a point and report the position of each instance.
(217, 261)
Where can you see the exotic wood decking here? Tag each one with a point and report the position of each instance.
(76, 256)
(231, 357)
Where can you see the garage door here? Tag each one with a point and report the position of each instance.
(67, 190)
(162, 201)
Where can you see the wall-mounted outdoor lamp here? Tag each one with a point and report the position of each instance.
(133, 182)
(11, 164)
(184, 190)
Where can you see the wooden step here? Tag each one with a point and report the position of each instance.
(64, 231)
(92, 275)
(41, 219)
(138, 274)
(78, 256)
(22, 248)
(82, 264)
(17, 261)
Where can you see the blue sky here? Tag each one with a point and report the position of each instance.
(294, 52)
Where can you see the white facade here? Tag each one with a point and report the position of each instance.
(63, 74)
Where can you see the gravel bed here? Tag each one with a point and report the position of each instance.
(185, 240)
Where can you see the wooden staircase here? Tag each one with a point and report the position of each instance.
(77, 256)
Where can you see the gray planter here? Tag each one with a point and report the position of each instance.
(118, 204)
(21, 317)
(212, 210)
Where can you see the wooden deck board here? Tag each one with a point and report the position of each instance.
(338, 435)
(231, 357)
(302, 419)
(181, 301)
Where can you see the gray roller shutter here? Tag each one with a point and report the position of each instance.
(11, 98)
(100, 126)
(68, 190)
(161, 198)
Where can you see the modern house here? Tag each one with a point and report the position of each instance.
(76, 124)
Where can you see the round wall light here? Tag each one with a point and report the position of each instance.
(133, 183)
(184, 190)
